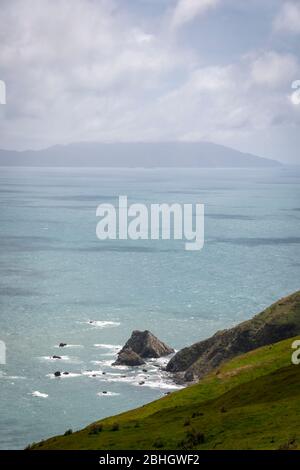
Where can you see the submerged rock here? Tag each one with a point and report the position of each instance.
(128, 357)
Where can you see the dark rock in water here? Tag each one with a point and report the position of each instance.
(104, 392)
(146, 345)
(141, 345)
(56, 357)
(62, 345)
(141, 383)
(128, 357)
(278, 322)
(145, 370)
(65, 373)
(57, 373)
(103, 373)
(94, 375)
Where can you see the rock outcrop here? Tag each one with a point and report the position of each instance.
(127, 357)
(142, 345)
(278, 322)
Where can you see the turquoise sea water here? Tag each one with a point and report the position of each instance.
(56, 277)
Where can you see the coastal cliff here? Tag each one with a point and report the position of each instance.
(278, 322)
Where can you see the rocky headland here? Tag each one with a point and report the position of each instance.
(276, 323)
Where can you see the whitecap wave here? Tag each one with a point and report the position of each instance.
(64, 375)
(73, 360)
(69, 346)
(93, 373)
(108, 394)
(103, 323)
(108, 363)
(4, 376)
(107, 346)
(39, 394)
(152, 378)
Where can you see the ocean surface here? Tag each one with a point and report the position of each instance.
(56, 277)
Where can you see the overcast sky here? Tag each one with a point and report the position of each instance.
(151, 70)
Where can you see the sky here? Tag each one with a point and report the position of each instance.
(152, 70)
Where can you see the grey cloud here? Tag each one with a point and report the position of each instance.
(79, 70)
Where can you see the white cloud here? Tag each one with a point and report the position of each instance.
(93, 72)
(79, 74)
(221, 102)
(288, 18)
(186, 10)
(274, 69)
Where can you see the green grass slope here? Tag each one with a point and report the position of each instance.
(250, 402)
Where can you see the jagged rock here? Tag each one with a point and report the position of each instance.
(146, 345)
(278, 322)
(128, 357)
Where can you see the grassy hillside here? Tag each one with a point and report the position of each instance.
(251, 402)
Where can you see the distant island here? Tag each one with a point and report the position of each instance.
(136, 155)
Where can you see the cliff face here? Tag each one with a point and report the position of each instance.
(278, 322)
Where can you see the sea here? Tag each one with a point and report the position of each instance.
(59, 283)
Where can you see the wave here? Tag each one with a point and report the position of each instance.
(73, 360)
(93, 373)
(4, 376)
(65, 375)
(112, 349)
(39, 394)
(100, 323)
(108, 394)
(103, 323)
(145, 381)
(108, 363)
(108, 346)
(69, 346)
(152, 379)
